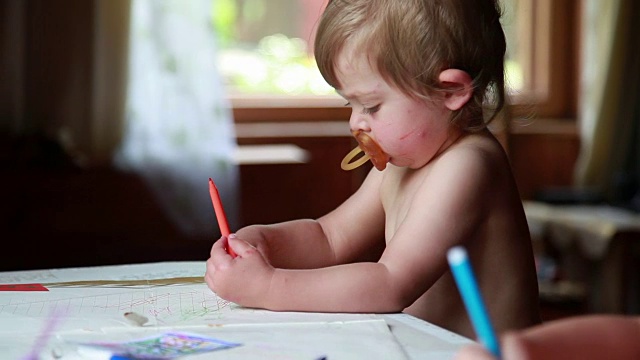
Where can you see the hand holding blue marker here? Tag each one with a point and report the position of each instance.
(468, 287)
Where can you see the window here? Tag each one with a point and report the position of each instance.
(266, 48)
(541, 59)
(266, 59)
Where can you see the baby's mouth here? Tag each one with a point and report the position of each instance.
(372, 151)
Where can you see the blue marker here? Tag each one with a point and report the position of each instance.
(468, 287)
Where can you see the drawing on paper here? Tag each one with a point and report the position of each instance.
(166, 305)
(164, 346)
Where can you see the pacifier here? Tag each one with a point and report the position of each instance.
(372, 151)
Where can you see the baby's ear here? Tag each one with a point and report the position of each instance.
(458, 88)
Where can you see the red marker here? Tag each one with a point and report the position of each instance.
(220, 215)
(22, 287)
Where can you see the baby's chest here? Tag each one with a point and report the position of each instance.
(397, 203)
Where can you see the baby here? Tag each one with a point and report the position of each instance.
(419, 76)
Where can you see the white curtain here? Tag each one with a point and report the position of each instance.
(609, 93)
(179, 129)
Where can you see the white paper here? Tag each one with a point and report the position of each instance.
(97, 313)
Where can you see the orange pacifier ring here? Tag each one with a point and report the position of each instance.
(346, 163)
(372, 151)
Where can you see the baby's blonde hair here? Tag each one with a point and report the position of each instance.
(409, 42)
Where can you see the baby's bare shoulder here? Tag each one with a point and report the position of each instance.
(483, 149)
(476, 159)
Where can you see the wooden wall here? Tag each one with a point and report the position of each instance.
(542, 158)
(56, 214)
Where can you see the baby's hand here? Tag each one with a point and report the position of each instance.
(245, 279)
(473, 352)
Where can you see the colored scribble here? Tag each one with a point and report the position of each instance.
(164, 346)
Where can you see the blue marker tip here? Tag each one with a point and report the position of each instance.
(468, 287)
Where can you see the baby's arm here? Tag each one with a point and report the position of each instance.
(344, 235)
(271, 276)
(250, 281)
(296, 244)
(427, 224)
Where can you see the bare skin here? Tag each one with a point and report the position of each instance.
(442, 187)
(608, 337)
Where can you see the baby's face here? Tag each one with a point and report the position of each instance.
(409, 131)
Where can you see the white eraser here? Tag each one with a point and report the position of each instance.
(136, 318)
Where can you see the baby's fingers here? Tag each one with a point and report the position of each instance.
(241, 247)
(219, 255)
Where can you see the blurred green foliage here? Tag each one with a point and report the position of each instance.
(276, 65)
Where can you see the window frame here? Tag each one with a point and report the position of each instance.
(553, 63)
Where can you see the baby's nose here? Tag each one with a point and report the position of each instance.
(357, 122)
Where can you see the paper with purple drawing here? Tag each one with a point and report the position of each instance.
(164, 346)
(95, 301)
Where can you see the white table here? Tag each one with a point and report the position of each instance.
(93, 300)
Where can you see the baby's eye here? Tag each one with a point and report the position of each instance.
(347, 104)
(371, 110)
